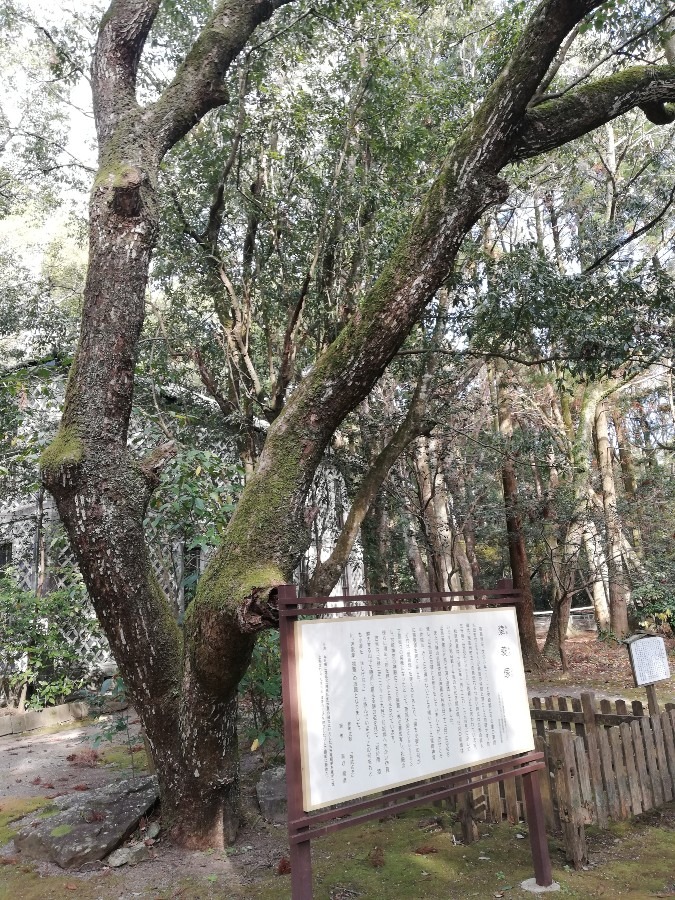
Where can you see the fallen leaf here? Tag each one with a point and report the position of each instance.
(283, 866)
(80, 787)
(425, 850)
(37, 780)
(8, 860)
(71, 887)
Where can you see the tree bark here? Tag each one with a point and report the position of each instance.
(565, 553)
(618, 588)
(520, 566)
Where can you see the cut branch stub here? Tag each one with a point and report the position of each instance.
(127, 199)
(259, 611)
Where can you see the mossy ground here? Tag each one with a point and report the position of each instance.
(14, 808)
(628, 860)
(121, 757)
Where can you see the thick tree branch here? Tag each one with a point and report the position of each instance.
(121, 39)
(199, 82)
(556, 122)
(270, 513)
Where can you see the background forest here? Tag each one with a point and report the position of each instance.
(526, 427)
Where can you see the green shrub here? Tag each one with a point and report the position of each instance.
(260, 694)
(34, 650)
(654, 603)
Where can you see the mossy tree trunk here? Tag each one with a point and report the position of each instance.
(185, 688)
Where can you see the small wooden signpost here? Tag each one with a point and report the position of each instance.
(649, 662)
(385, 712)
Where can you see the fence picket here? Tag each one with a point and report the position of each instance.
(567, 789)
(620, 771)
(541, 744)
(494, 800)
(650, 757)
(578, 724)
(661, 757)
(594, 761)
(511, 798)
(585, 789)
(549, 703)
(631, 768)
(539, 724)
(608, 775)
(645, 783)
(669, 738)
(562, 706)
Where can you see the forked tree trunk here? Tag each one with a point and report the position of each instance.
(184, 686)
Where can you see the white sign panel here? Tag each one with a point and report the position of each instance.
(649, 659)
(390, 700)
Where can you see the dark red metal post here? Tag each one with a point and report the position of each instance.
(301, 854)
(536, 827)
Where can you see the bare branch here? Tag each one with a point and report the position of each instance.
(634, 235)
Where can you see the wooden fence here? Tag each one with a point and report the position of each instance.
(604, 762)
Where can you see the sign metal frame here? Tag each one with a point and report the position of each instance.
(303, 827)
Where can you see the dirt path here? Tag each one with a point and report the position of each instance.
(35, 764)
(39, 766)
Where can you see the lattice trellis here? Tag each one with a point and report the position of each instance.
(21, 532)
(93, 649)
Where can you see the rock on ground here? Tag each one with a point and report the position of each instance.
(90, 825)
(131, 855)
(271, 792)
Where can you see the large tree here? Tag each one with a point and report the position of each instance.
(184, 684)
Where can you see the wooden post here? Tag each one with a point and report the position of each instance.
(569, 797)
(536, 827)
(300, 851)
(652, 700)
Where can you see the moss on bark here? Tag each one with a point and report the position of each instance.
(65, 449)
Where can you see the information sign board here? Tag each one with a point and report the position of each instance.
(389, 700)
(649, 659)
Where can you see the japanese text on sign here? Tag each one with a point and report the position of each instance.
(390, 700)
(649, 659)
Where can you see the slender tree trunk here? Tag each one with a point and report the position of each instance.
(597, 567)
(618, 587)
(435, 514)
(520, 566)
(415, 560)
(629, 478)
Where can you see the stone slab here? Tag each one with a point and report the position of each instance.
(530, 885)
(271, 793)
(90, 825)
